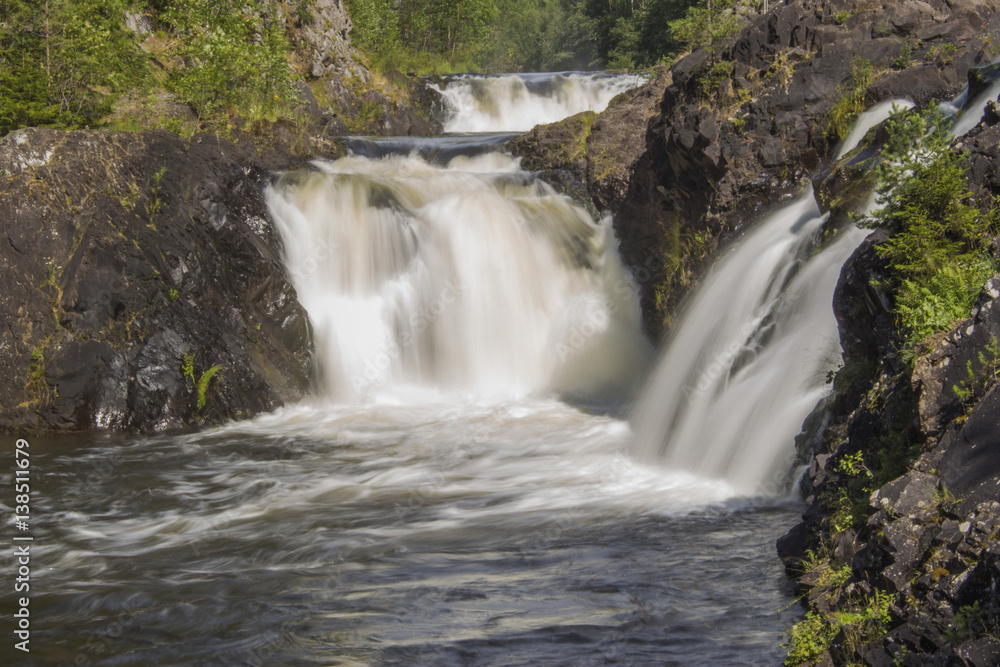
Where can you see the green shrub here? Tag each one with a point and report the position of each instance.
(905, 57)
(707, 24)
(64, 62)
(853, 98)
(925, 308)
(814, 635)
(811, 637)
(712, 77)
(937, 250)
(235, 58)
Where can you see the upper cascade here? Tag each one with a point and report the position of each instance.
(470, 277)
(518, 102)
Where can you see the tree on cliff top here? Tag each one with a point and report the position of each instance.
(938, 246)
(62, 62)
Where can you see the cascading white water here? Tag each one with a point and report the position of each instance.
(750, 357)
(869, 119)
(518, 102)
(470, 277)
(966, 113)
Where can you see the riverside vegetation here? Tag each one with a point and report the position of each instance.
(935, 255)
(187, 66)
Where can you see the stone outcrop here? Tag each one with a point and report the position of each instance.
(325, 42)
(926, 538)
(132, 264)
(352, 100)
(740, 128)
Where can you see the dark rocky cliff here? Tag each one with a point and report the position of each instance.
(731, 132)
(128, 259)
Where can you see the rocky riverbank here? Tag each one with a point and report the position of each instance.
(899, 566)
(144, 283)
(897, 556)
(133, 265)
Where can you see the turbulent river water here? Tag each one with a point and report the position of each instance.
(467, 486)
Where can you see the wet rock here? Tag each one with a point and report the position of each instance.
(133, 263)
(981, 78)
(558, 146)
(794, 545)
(861, 306)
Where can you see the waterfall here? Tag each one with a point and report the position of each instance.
(750, 356)
(967, 113)
(518, 102)
(867, 120)
(471, 277)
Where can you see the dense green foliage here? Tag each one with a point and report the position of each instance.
(538, 35)
(71, 63)
(234, 53)
(62, 62)
(937, 251)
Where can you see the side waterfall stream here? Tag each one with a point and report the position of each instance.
(466, 488)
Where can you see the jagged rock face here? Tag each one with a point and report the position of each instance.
(326, 41)
(728, 145)
(983, 144)
(929, 541)
(863, 310)
(950, 361)
(126, 255)
(599, 153)
(321, 30)
(930, 536)
(734, 132)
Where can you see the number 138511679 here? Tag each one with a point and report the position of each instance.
(22, 488)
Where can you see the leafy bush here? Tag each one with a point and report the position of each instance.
(816, 634)
(235, 57)
(811, 637)
(937, 250)
(707, 24)
(925, 308)
(64, 62)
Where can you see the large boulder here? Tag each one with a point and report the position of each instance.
(132, 265)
